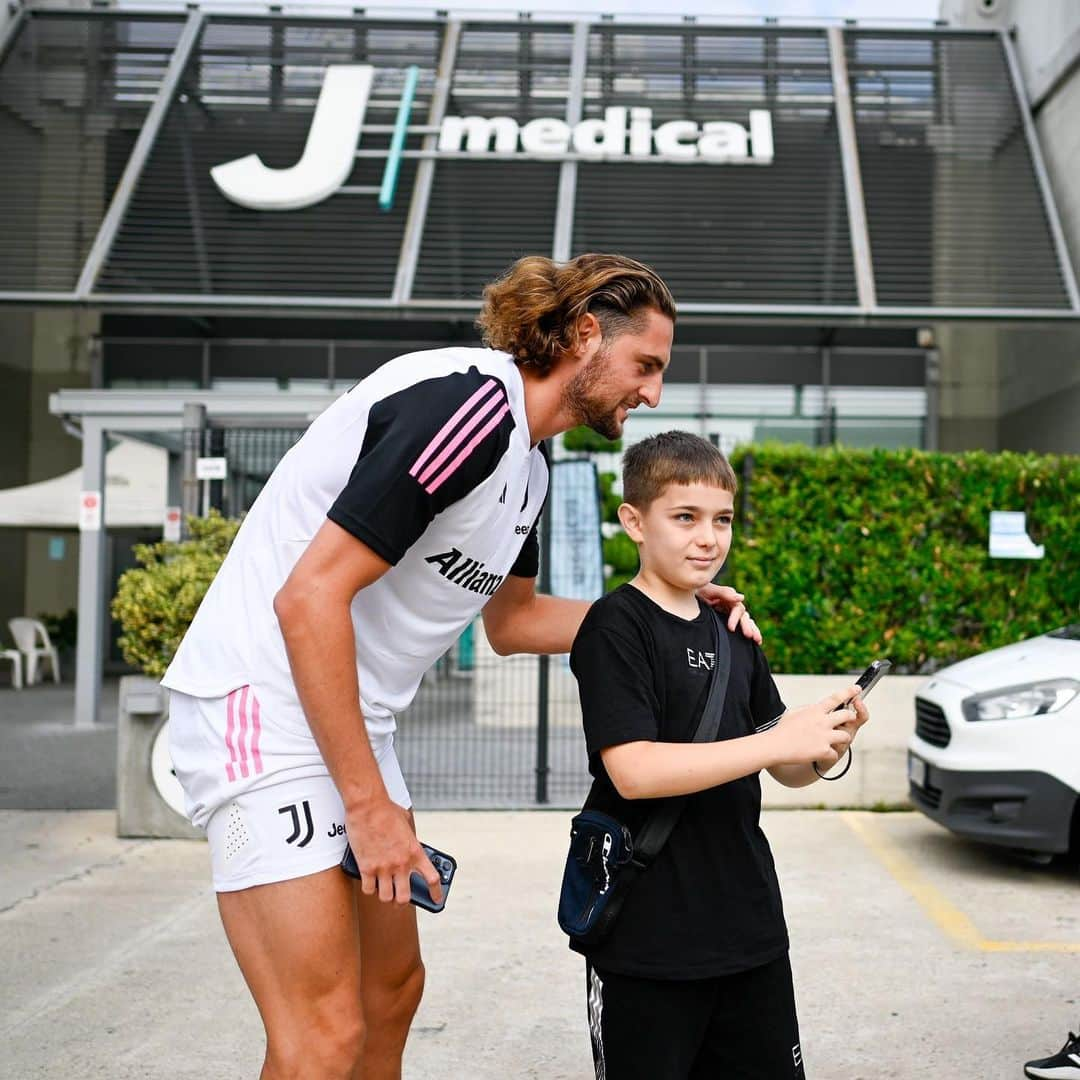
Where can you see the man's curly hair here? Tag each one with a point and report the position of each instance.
(532, 311)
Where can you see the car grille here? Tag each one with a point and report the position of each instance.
(930, 723)
(928, 796)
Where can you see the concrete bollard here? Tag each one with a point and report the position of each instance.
(149, 801)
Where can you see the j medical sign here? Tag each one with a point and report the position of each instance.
(623, 135)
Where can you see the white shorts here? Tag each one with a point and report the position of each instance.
(261, 791)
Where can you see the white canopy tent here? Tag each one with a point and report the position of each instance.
(136, 479)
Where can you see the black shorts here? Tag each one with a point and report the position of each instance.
(732, 1027)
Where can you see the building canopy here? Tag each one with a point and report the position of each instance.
(199, 161)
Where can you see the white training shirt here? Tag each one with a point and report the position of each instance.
(428, 462)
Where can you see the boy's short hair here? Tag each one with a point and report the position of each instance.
(672, 457)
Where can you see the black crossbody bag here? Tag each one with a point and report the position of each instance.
(604, 860)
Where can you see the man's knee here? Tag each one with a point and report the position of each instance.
(394, 999)
(331, 1044)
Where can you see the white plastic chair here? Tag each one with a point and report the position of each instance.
(33, 642)
(16, 664)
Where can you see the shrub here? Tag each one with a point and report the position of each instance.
(155, 602)
(610, 500)
(584, 439)
(620, 553)
(847, 555)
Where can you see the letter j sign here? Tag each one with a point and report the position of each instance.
(329, 152)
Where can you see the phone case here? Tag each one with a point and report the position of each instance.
(872, 676)
(447, 866)
(420, 896)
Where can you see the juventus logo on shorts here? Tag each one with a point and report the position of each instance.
(293, 809)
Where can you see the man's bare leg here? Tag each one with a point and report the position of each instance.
(393, 981)
(298, 947)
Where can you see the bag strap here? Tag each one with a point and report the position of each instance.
(654, 833)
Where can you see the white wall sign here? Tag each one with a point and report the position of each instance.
(171, 528)
(1009, 538)
(624, 134)
(211, 468)
(90, 511)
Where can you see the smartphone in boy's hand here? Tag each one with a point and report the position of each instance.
(871, 677)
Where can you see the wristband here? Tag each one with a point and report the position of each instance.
(839, 775)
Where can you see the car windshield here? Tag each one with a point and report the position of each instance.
(1072, 633)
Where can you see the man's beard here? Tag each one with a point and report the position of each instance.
(582, 401)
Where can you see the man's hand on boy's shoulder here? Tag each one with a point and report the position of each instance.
(725, 598)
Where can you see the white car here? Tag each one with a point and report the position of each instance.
(996, 750)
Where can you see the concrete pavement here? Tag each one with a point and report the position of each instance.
(915, 955)
(46, 763)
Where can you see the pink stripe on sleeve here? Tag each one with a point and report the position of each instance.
(449, 426)
(466, 428)
(230, 771)
(256, 726)
(243, 731)
(480, 436)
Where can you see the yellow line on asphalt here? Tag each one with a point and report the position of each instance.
(953, 922)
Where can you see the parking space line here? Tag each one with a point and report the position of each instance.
(951, 920)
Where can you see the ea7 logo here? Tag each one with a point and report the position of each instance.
(294, 810)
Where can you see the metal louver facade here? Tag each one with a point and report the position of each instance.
(483, 215)
(74, 94)
(903, 179)
(775, 234)
(953, 203)
(251, 87)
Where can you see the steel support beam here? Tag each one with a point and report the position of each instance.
(196, 303)
(575, 107)
(932, 438)
(321, 13)
(7, 39)
(92, 596)
(90, 643)
(1068, 276)
(103, 242)
(194, 426)
(849, 157)
(193, 303)
(163, 410)
(425, 171)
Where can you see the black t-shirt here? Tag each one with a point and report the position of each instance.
(710, 902)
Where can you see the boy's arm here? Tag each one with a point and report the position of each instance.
(651, 770)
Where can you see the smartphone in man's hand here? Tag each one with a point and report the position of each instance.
(420, 895)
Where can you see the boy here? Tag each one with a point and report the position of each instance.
(693, 980)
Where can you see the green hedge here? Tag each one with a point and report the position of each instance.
(847, 555)
(584, 439)
(156, 601)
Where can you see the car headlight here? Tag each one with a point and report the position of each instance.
(1015, 702)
